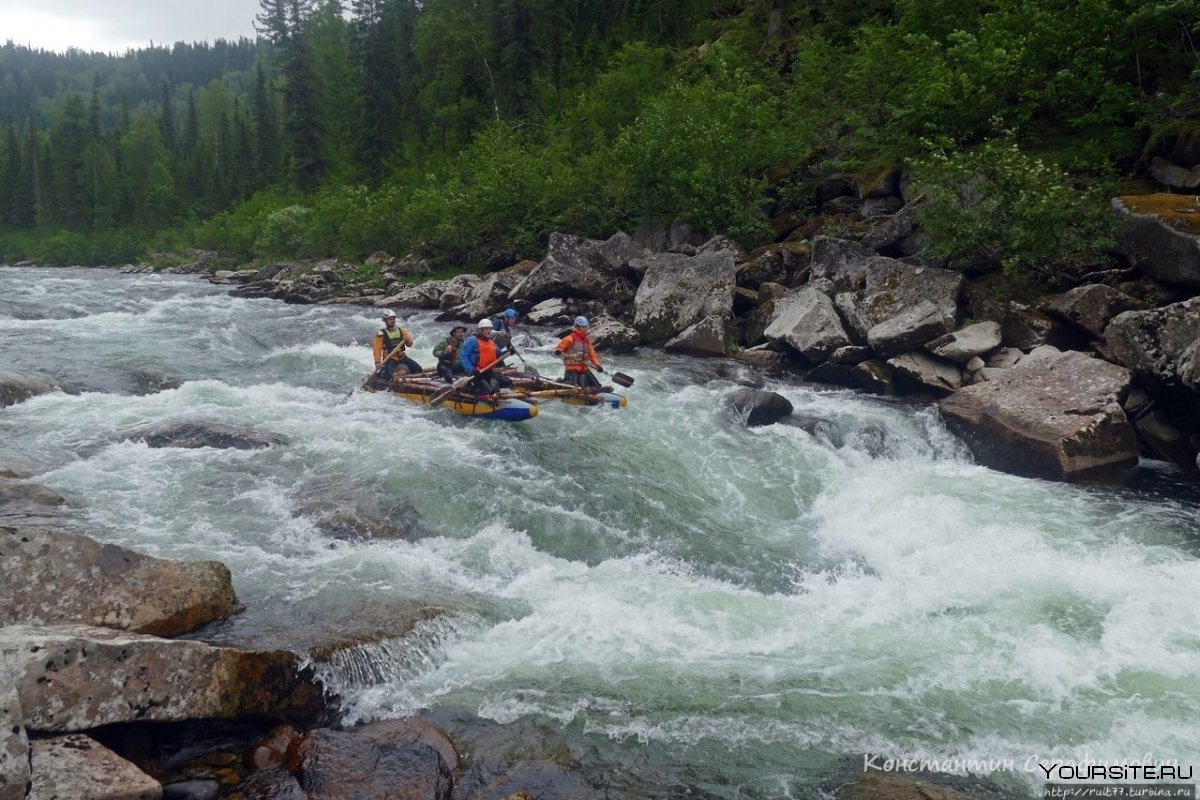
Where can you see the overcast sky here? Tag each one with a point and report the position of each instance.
(117, 25)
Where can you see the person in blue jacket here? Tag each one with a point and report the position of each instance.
(504, 329)
(478, 356)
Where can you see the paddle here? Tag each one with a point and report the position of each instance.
(441, 395)
(621, 379)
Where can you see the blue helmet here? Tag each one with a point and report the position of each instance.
(509, 313)
(581, 322)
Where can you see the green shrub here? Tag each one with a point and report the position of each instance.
(997, 206)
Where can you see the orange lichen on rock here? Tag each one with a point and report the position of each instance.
(1180, 211)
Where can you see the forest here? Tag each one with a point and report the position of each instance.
(470, 129)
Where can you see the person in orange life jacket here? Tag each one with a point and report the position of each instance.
(578, 355)
(391, 342)
(503, 330)
(446, 350)
(477, 356)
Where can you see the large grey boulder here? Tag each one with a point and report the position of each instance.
(29, 504)
(675, 295)
(897, 233)
(576, 267)
(1057, 415)
(1153, 343)
(1156, 248)
(421, 295)
(841, 261)
(705, 338)
(611, 335)
(1090, 308)
(68, 578)
(924, 373)
(14, 744)
(74, 677)
(966, 343)
(77, 766)
(807, 321)
(907, 330)
(894, 286)
(490, 294)
(658, 236)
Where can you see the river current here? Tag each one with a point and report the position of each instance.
(745, 610)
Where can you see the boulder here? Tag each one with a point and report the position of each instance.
(75, 677)
(806, 320)
(1055, 416)
(766, 267)
(611, 335)
(78, 766)
(967, 343)
(658, 237)
(907, 330)
(883, 786)
(850, 355)
(756, 407)
(858, 324)
(68, 578)
(549, 312)
(344, 509)
(457, 290)
(923, 373)
(705, 338)
(896, 234)
(893, 287)
(871, 376)
(203, 433)
(14, 744)
(1090, 308)
(1153, 343)
(488, 296)
(16, 388)
(676, 295)
(426, 295)
(1162, 439)
(576, 267)
(340, 764)
(1025, 328)
(841, 261)
(30, 505)
(723, 244)
(1156, 248)
(1003, 357)
(1173, 176)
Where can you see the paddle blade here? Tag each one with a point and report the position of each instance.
(622, 379)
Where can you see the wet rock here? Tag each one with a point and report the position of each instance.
(900, 787)
(1055, 416)
(17, 388)
(1165, 440)
(338, 765)
(68, 578)
(78, 766)
(534, 779)
(807, 321)
(705, 338)
(201, 433)
(344, 509)
(871, 376)
(274, 784)
(326, 626)
(413, 731)
(676, 295)
(1090, 308)
(820, 428)
(757, 407)
(850, 355)
(30, 505)
(197, 789)
(75, 677)
(14, 744)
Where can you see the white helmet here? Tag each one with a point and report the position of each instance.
(485, 323)
(388, 313)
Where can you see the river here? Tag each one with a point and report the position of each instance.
(744, 610)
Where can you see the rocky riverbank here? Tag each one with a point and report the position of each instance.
(1071, 386)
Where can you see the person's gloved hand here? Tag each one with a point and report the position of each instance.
(600, 369)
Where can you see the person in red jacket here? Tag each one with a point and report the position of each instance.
(579, 357)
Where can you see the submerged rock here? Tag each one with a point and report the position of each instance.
(758, 407)
(206, 434)
(16, 388)
(345, 509)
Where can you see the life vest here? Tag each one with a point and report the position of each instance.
(488, 352)
(391, 339)
(575, 355)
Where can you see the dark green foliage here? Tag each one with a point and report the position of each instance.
(467, 127)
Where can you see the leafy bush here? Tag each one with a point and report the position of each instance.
(290, 231)
(996, 205)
